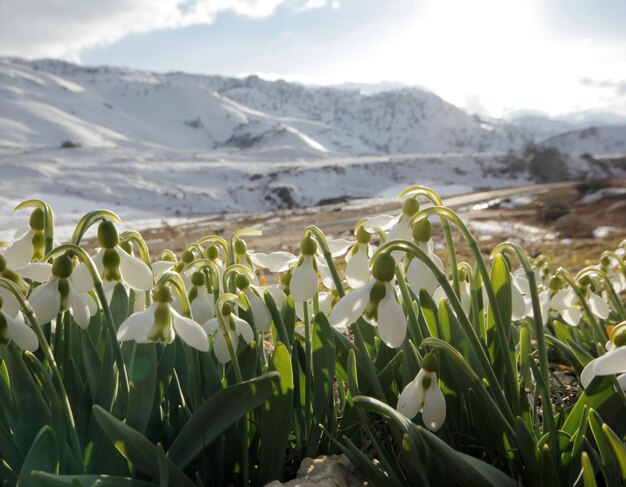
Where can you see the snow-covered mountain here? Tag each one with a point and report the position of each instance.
(43, 103)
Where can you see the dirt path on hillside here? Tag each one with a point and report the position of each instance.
(572, 222)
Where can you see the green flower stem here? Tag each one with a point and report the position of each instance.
(608, 285)
(470, 332)
(599, 335)
(89, 220)
(436, 200)
(29, 314)
(104, 304)
(144, 252)
(320, 238)
(214, 272)
(414, 327)
(358, 335)
(538, 322)
(503, 334)
(67, 344)
(476, 380)
(308, 371)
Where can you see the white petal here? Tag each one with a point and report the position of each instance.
(598, 306)
(36, 271)
(339, 246)
(261, 315)
(419, 276)
(434, 410)
(380, 222)
(23, 336)
(351, 306)
(134, 271)
(202, 308)
(79, 307)
(221, 349)
(518, 303)
(190, 332)
(81, 278)
(326, 302)
(588, 373)
(522, 284)
(466, 296)
(160, 267)
(93, 304)
(10, 305)
(278, 295)
(563, 299)
(402, 231)
(274, 261)
(211, 326)
(357, 269)
(411, 398)
(391, 320)
(613, 362)
(303, 283)
(137, 325)
(544, 299)
(571, 316)
(325, 275)
(21, 250)
(621, 379)
(46, 300)
(243, 328)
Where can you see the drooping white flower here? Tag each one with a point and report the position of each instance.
(418, 275)
(377, 301)
(29, 242)
(202, 303)
(274, 261)
(358, 259)
(424, 395)
(236, 327)
(303, 284)
(260, 312)
(14, 328)
(160, 323)
(114, 264)
(59, 294)
(612, 362)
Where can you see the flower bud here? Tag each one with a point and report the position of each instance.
(227, 309)
(422, 230)
(430, 363)
(37, 219)
(213, 252)
(555, 283)
(127, 247)
(198, 279)
(108, 235)
(240, 247)
(62, 266)
(410, 206)
(242, 281)
(363, 236)
(584, 281)
(618, 335)
(308, 246)
(162, 295)
(384, 268)
(188, 257)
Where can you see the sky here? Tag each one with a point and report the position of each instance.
(491, 57)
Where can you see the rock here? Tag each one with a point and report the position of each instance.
(324, 471)
(570, 226)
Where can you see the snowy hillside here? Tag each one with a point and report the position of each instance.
(591, 140)
(43, 103)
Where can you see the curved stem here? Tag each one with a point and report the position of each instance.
(320, 238)
(136, 237)
(608, 285)
(503, 333)
(90, 219)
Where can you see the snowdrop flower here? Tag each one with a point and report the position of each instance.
(160, 323)
(14, 328)
(260, 313)
(303, 284)
(11, 305)
(274, 261)
(377, 301)
(235, 326)
(29, 243)
(612, 362)
(418, 275)
(58, 295)
(402, 229)
(559, 301)
(202, 306)
(358, 260)
(114, 264)
(464, 289)
(424, 395)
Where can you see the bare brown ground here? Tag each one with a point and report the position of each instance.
(553, 221)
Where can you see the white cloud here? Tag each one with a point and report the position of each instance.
(63, 28)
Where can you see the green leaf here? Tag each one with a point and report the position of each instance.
(48, 480)
(609, 464)
(323, 365)
(619, 450)
(218, 413)
(142, 377)
(43, 455)
(276, 422)
(136, 448)
(589, 477)
(92, 363)
(119, 305)
(595, 395)
(372, 472)
(428, 312)
(283, 336)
